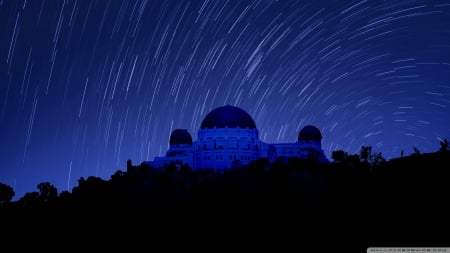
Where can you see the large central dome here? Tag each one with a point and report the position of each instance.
(228, 116)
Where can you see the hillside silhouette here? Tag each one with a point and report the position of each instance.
(402, 200)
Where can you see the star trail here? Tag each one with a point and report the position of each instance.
(86, 85)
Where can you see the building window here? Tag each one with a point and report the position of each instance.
(232, 144)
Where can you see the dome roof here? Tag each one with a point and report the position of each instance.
(228, 116)
(180, 136)
(310, 133)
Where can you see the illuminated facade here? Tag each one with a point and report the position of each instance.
(228, 138)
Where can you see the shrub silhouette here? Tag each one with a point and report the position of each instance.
(6, 194)
(381, 191)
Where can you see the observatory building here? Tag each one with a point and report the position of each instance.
(228, 138)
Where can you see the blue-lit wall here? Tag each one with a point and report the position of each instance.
(224, 148)
(178, 154)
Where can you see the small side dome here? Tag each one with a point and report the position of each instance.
(310, 133)
(180, 136)
(228, 116)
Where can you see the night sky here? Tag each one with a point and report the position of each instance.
(87, 85)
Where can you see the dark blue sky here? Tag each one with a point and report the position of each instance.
(86, 85)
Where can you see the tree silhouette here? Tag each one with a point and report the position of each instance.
(339, 156)
(416, 151)
(365, 153)
(6, 194)
(47, 192)
(444, 145)
(378, 159)
(30, 200)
